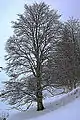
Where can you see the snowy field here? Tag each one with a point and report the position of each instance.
(70, 111)
(62, 107)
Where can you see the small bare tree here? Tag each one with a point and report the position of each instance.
(67, 58)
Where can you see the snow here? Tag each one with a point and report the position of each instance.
(62, 107)
(69, 112)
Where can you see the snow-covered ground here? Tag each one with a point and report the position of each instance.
(62, 107)
(70, 111)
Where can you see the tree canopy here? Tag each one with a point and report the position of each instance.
(35, 32)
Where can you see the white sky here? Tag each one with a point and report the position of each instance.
(10, 8)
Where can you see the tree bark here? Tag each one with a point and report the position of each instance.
(39, 102)
(39, 95)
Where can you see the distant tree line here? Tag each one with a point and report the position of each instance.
(43, 52)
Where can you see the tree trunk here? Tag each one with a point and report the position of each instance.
(39, 95)
(39, 102)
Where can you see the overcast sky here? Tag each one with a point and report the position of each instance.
(10, 8)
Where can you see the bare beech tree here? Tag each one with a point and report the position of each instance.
(35, 31)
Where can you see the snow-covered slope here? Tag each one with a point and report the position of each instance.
(70, 111)
(63, 107)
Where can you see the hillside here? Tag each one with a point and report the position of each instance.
(61, 107)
